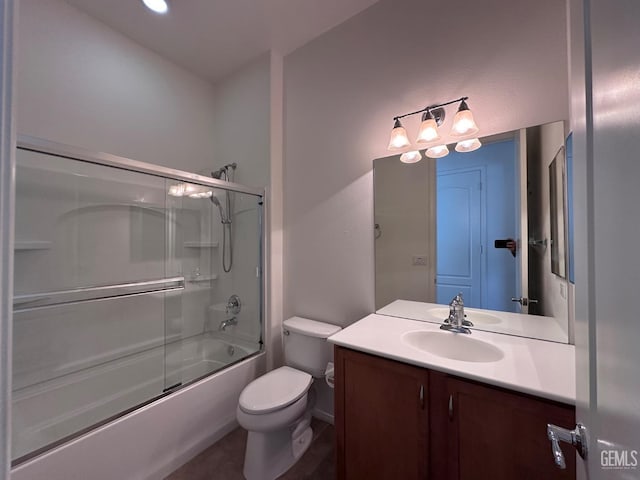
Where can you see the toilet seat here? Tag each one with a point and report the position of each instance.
(275, 390)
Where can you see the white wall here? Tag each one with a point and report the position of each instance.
(342, 91)
(241, 126)
(83, 84)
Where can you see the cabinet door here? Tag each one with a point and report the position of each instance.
(381, 418)
(499, 435)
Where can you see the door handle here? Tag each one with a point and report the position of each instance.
(576, 437)
(524, 301)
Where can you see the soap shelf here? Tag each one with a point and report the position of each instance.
(201, 244)
(31, 245)
(202, 278)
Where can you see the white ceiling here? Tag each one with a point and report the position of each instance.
(213, 38)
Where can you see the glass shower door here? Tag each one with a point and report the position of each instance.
(128, 285)
(213, 230)
(91, 291)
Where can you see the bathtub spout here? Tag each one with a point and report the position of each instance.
(225, 323)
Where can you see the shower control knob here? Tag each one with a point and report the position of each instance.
(234, 305)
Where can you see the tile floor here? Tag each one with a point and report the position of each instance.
(224, 459)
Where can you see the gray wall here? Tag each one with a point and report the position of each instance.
(341, 92)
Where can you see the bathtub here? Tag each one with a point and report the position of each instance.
(52, 412)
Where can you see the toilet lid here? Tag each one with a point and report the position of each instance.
(275, 390)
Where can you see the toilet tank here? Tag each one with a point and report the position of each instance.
(305, 344)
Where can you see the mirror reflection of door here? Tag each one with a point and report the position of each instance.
(476, 205)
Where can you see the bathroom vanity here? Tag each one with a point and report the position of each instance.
(415, 402)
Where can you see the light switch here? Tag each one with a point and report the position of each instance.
(419, 260)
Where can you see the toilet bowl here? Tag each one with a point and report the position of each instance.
(276, 408)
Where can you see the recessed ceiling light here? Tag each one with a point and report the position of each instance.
(158, 6)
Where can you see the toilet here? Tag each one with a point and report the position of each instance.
(276, 408)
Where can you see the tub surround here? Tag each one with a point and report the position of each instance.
(540, 368)
(519, 324)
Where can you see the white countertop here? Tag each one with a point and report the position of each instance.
(523, 325)
(537, 367)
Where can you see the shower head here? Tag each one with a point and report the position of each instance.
(216, 201)
(224, 171)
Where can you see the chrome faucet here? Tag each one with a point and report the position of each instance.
(456, 321)
(226, 323)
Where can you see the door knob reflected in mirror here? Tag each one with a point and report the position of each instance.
(524, 301)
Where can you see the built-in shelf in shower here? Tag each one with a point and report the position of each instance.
(31, 245)
(201, 244)
(202, 278)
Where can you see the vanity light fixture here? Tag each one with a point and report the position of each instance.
(433, 117)
(412, 156)
(399, 137)
(157, 6)
(463, 122)
(429, 127)
(438, 151)
(468, 145)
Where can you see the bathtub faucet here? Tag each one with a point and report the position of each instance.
(225, 323)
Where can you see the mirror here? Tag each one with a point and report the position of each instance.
(490, 224)
(557, 208)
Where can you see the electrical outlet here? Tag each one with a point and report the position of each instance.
(419, 260)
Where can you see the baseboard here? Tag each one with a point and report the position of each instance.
(322, 415)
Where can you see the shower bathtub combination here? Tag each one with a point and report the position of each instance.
(131, 282)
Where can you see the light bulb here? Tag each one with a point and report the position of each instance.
(468, 145)
(463, 122)
(399, 137)
(438, 151)
(428, 129)
(177, 190)
(411, 157)
(197, 191)
(158, 6)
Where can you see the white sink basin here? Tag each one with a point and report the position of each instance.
(455, 346)
(477, 318)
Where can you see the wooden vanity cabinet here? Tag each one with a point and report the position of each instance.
(493, 433)
(463, 430)
(381, 418)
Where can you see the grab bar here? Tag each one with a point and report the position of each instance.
(32, 301)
